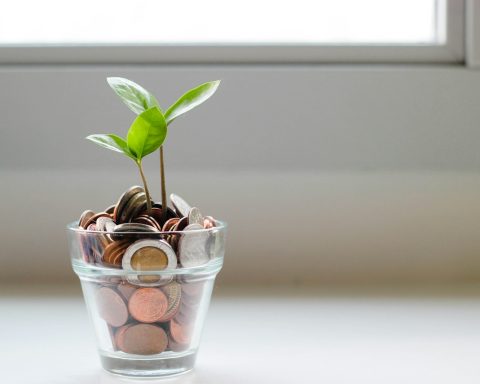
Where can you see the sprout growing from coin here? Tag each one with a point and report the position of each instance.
(149, 130)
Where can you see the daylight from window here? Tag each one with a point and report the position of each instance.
(27, 22)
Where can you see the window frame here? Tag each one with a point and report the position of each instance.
(452, 51)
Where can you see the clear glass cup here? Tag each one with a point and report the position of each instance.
(147, 315)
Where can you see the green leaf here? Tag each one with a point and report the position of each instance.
(112, 142)
(147, 133)
(137, 98)
(191, 99)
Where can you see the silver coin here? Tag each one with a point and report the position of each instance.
(180, 205)
(216, 244)
(102, 223)
(195, 217)
(192, 246)
(109, 226)
(149, 255)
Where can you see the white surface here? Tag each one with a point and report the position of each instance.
(277, 337)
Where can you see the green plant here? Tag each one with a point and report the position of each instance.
(149, 130)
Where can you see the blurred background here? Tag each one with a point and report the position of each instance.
(342, 148)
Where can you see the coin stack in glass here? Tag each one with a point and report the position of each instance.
(147, 314)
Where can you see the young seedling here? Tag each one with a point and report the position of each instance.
(146, 134)
(149, 130)
(138, 99)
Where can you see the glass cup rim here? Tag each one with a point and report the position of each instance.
(74, 227)
(82, 268)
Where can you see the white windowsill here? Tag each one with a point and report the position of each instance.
(276, 336)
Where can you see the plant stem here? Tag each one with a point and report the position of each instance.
(147, 193)
(162, 182)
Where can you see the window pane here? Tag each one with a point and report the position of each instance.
(219, 21)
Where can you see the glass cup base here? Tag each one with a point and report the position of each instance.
(148, 366)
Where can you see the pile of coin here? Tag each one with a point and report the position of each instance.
(148, 314)
(149, 320)
(132, 238)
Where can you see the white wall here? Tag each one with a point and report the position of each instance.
(326, 174)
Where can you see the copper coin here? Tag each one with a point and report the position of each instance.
(173, 241)
(170, 224)
(102, 240)
(109, 250)
(157, 213)
(84, 218)
(143, 339)
(180, 334)
(148, 305)
(173, 237)
(170, 212)
(111, 307)
(110, 209)
(173, 291)
(123, 200)
(147, 220)
(114, 252)
(182, 224)
(119, 336)
(117, 256)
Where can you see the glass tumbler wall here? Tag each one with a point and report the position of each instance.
(148, 312)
